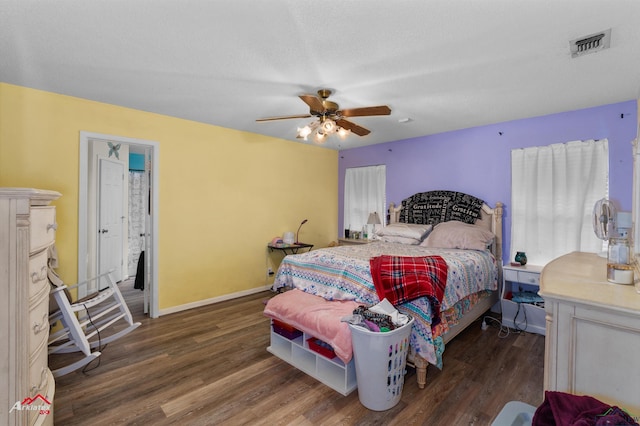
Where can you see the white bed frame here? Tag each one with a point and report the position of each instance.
(491, 218)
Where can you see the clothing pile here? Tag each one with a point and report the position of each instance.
(563, 409)
(382, 317)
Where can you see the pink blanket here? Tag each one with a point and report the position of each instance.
(315, 316)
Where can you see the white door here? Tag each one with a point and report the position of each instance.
(110, 218)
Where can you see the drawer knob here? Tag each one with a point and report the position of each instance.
(42, 326)
(53, 226)
(37, 277)
(35, 389)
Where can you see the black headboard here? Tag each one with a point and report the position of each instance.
(433, 207)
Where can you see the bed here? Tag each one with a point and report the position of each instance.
(456, 228)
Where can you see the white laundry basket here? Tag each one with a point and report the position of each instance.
(381, 360)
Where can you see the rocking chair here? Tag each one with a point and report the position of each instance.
(84, 321)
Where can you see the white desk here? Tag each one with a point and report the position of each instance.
(592, 342)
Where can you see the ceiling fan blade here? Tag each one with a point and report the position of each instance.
(286, 117)
(362, 112)
(314, 102)
(353, 127)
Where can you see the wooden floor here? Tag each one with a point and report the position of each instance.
(209, 366)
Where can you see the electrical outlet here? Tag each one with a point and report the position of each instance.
(269, 272)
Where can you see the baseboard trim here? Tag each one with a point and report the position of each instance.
(205, 302)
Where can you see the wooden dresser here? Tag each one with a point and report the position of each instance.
(27, 230)
(592, 344)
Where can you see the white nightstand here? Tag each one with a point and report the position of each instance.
(522, 307)
(353, 241)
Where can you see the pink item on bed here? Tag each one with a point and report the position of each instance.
(315, 316)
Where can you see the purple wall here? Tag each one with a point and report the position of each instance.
(477, 160)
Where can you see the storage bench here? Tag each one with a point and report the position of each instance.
(298, 319)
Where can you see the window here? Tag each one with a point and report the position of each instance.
(364, 193)
(553, 191)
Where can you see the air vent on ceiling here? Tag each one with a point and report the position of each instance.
(590, 44)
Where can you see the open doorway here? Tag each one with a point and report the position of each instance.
(98, 249)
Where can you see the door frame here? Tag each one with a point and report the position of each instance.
(83, 200)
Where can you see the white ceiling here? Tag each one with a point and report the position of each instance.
(444, 64)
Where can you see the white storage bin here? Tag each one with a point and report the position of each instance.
(515, 413)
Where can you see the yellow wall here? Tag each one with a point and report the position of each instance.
(223, 193)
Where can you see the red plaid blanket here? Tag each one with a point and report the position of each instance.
(401, 279)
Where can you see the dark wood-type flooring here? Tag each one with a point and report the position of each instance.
(210, 366)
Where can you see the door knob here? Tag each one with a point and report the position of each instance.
(102, 231)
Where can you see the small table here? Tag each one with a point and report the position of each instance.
(293, 248)
(522, 314)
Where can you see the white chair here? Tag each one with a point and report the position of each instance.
(84, 321)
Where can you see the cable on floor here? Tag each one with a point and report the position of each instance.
(515, 318)
(100, 348)
(503, 330)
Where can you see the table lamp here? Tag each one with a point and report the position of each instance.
(374, 220)
(298, 232)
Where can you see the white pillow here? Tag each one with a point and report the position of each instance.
(405, 230)
(460, 235)
(401, 240)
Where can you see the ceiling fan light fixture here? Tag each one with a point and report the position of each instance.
(329, 118)
(320, 137)
(343, 133)
(328, 126)
(303, 132)
(321, 130)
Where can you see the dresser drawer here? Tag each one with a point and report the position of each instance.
(43, 227)
(38, 273)
(44, 416)
(39, 374)
(40, 388)
(39, 326)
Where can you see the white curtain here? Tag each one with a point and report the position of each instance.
(364, 193)
(553, 191)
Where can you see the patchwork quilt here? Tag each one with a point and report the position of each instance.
(344, 273)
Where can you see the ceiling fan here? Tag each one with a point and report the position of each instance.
(331, 119)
